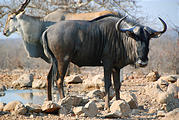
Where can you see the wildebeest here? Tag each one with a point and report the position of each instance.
(31, 27)
(109, 41)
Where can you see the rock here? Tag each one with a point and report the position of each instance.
(153, 76)
(23, 81)
(172, 115)
(96, 93)
(161, 113)
(11, 106)
(33, 108)
(100, 105)
(70, 101)
(130, 98)
(38, 84)
(153, 89)
(162, 82)
(173, 89)
(94, 82)
(2, 94)
(169, 78)
(2, 88)
(73, 79)
(121, 106)
(2, 106)
(90, 109)
(116, 114)
(163, 97)
(78, 110)
(20, 109)
(50, 107)
(63, 110)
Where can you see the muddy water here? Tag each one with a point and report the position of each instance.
(34, 96)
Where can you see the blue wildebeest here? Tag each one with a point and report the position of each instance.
(109, 41)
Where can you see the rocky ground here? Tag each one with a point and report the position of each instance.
(144, 96)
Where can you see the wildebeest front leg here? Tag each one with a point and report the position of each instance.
(49, 84)
(62, 67)
(107, 82)
(117, 83)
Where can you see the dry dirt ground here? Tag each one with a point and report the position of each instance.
(135, 83)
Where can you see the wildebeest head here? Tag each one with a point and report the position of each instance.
(141, 35)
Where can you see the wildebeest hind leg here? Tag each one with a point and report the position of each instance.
(62, 68)
(117, 83)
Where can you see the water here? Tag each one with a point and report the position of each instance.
(34, 96)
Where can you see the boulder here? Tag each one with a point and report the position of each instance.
(100, 105)
(153, 76)
(122, 107)
(20, 109)
(2, 106)
(90, 109)
(70, 101)
(33, 108)
(130, 98)
(50, 107)
(161, 113)
(11, 106)
(2, 88)
(38, 84)
(95, 93)
(23, 81)
(173, 89)
(73, 79)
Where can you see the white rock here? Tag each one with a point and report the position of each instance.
(38, 84)
(78, 110)
(121, 106)
(20, 109)
(116, 114)
(173, 89)
(73, 79)
(33, 108)
(11, 106)
(95, 93)
(90, 109)
(23, 81)
(153, 76)
(50, 107)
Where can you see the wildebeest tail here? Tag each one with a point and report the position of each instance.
(54, 73)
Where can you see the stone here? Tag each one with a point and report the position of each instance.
(173, 89)
(169, 78)
(78, 110)
(130, 98)
(73, 79)
(153, 76)
(100, 105)
(121, 106)
(95, 82)
(11, 106)
(163, 97)
(33, 108)
(20, 109)
(63, 110)
(2, 88)
(153, 89)
(23, 81)
(162, 82)
(50, 107)
(38, 84)
(2, 106)
(96, 93)
(161, 113)
(70, 101)
(90, 109)
(2, 94)
(172, 115)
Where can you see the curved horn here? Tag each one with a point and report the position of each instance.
(119, 22)
(158, 33)
(22, 7)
